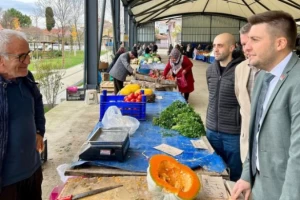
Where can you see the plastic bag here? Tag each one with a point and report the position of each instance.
(181, 81)
(113, 118)
(61, 171)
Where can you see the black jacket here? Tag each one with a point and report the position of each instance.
(223, 112)
(40, 120)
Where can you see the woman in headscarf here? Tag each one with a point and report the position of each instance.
(180, 65)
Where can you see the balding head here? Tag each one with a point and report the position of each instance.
(224, 44)
(226, 38)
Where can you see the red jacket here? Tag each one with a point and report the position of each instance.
(187, 66)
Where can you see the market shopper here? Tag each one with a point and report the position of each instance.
(22, 121)
(181, 67)
(245, 76)
(119, 52)
(121, 69)
(223, 117)
(272, 169)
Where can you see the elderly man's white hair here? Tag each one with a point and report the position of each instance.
(6, 35)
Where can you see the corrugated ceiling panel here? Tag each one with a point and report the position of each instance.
(232, 7)
(145, 6)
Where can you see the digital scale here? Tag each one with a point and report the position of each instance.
(107, 144)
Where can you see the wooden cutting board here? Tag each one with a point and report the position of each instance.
(134, 187)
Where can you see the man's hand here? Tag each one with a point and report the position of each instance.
(184, 71)
(39, 143)
(241, 186)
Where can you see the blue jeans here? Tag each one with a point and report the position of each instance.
(228, 147)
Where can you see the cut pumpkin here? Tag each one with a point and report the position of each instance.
(169, 179)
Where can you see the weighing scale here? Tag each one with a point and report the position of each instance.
(107, 144)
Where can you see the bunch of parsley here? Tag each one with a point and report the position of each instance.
(181, 117)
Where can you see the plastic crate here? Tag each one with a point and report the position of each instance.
(133, 109)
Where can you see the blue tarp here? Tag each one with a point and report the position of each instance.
(148, 136)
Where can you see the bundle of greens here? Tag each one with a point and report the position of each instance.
(181, 117)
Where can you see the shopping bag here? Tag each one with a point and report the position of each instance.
(181, 81)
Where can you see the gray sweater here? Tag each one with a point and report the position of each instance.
(223, 111)
(122, 67)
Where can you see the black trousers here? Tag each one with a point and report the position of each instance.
(186, 96)
(30, 188)
(118, 85)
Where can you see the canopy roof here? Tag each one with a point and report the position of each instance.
(145, 11)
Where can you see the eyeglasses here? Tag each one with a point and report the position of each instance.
(22, 57)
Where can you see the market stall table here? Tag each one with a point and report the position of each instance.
(134, 181)
(147, 136)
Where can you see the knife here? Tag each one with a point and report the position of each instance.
(89, 193)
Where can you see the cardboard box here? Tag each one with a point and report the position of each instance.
(103, 65)
(105, 76)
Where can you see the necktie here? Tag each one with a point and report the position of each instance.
(259, 111)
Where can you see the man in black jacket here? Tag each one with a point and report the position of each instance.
(223, 116)
(22, 124)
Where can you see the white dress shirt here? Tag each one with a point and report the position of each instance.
(277, 72)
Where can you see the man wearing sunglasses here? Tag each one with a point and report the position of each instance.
(22, 121)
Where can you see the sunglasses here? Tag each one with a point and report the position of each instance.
(22, 57)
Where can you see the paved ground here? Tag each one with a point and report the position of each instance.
(69, 124)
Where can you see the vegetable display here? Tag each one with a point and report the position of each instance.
(169, 179)
(181, 117)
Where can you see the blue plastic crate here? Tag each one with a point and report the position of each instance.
(133, 109)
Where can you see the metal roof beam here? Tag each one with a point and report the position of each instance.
(260, 3)
(248, 7)
(138, 3)
(134, 2)
(163, 10)
(205, 6)
(149, 10)
(296, 4)
(234, 2)
(290, 4)
(197, 13)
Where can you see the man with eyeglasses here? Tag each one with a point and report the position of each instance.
(22, 125)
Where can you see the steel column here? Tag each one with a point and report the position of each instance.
(91, 61)
(130, 32)
(126, 44)
(112, 3)
(101, 28)
(117, 23)
(134, 33)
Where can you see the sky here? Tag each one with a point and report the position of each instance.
(27, 7)
(24, 6)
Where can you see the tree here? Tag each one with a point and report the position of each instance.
(49, 75)
(50, 21)
(10, 14)
(77, 6)
(16, 23)
(62, 10)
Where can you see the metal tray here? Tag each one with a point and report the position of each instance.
(109, 136)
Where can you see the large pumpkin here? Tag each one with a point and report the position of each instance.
(133, 87)
(168, 179)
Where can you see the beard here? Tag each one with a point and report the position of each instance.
(265, 61)
(222, 56)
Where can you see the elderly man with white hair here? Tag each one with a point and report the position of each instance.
(22, 124)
